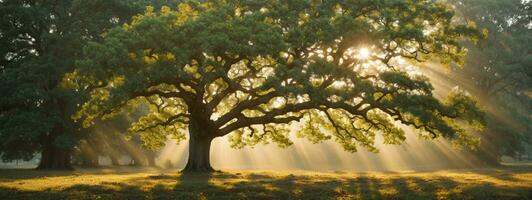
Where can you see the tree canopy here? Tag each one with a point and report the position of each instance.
(252, 68)
(39, 43)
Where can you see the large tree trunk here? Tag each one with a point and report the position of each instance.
(199, 155)
(199, 146)
(55, 158)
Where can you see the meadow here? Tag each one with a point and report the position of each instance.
(148, 183)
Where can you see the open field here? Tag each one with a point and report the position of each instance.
(133, 183)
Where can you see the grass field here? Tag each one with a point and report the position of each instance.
(133, 183)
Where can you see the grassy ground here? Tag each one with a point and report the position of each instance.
(129, 183)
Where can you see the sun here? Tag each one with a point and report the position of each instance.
(364, 53)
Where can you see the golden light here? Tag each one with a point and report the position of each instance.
(364, 53)
(414, 154)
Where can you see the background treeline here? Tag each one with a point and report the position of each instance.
(498, 72)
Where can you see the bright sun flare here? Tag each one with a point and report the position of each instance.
(363, 53)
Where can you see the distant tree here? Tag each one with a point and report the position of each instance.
(252, 68)
(498, 70)
(39, 43)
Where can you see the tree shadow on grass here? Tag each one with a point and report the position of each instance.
(264, 186)
(258, 186)
(507, 173)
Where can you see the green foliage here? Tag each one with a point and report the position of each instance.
(253, 135)
(253, 68)
(312, 128)
(39, 43)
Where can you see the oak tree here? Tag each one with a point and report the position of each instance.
(255, 70)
